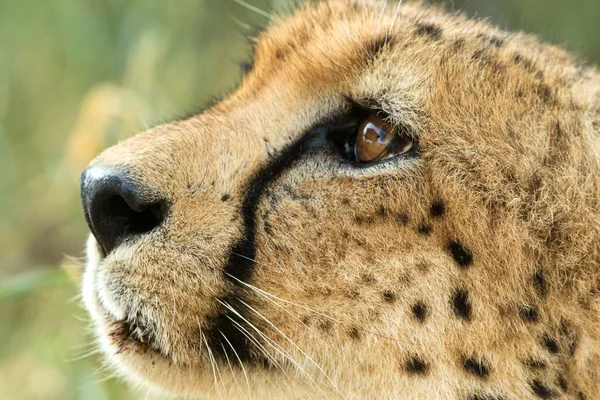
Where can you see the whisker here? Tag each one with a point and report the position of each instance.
(396, 12)
(75, 299)
(108, 377)
(262, 348)
(381, 14)
(310, 309)
(231, 369)
(296, 346)
(280, 350)
(238, 358)
(276, 304)
(83, 346)
(85, 355)
(254, 9)
(211, 362)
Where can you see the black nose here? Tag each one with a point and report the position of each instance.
(117, 209)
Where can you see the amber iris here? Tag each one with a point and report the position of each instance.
(376, 140)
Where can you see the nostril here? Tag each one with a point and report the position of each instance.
(133, 221)
(116, 209)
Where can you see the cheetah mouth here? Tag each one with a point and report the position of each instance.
(128, 335)
(136, 330)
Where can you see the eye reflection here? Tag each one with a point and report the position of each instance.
(377, 140)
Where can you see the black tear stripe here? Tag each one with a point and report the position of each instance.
(241, 259)
(242, 254)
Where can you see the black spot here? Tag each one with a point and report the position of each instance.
(225, 197)
(476, 367)
(437, 209)
(325, 325)
(550, 344)
(484, 397)
(519, 93)
(377, 46)
(493, 40)
(541, 390)
(518, 59)
(480, 54)
(354, 333)
(539, 282)
(430, 30)
(353, 294)
(389, 296)
(416, 366)
(423, 266)
(461, 304)
(535, 363)
(529, 313)
(382, 212)
(496, 41)
(462, 256)
(402, 219)
(458, 44)
(419, 310)
(360, 220)
(562, 383)
(424, 229)
(280, 54)
(367, 277)
(544, 92)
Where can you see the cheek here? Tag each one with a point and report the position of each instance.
(329, 238)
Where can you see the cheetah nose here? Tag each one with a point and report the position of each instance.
(116, 208)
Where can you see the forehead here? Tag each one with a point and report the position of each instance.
(308, 64)
(362, 50)
(336, 39)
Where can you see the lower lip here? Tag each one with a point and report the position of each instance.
(122, 335)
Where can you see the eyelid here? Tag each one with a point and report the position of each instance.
(374, 106)
(368, 105)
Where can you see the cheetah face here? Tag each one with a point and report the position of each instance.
(362, 215)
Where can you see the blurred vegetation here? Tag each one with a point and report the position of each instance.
(78, 75)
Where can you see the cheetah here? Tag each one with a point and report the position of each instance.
(397, 203)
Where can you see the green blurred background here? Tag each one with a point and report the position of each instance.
(78, 75)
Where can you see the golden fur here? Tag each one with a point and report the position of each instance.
(469, 272)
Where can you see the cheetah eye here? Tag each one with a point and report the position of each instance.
(377, 140)
(364, 136)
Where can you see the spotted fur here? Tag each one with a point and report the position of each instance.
(470, 271)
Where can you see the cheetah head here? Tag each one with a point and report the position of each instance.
(394, 201)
